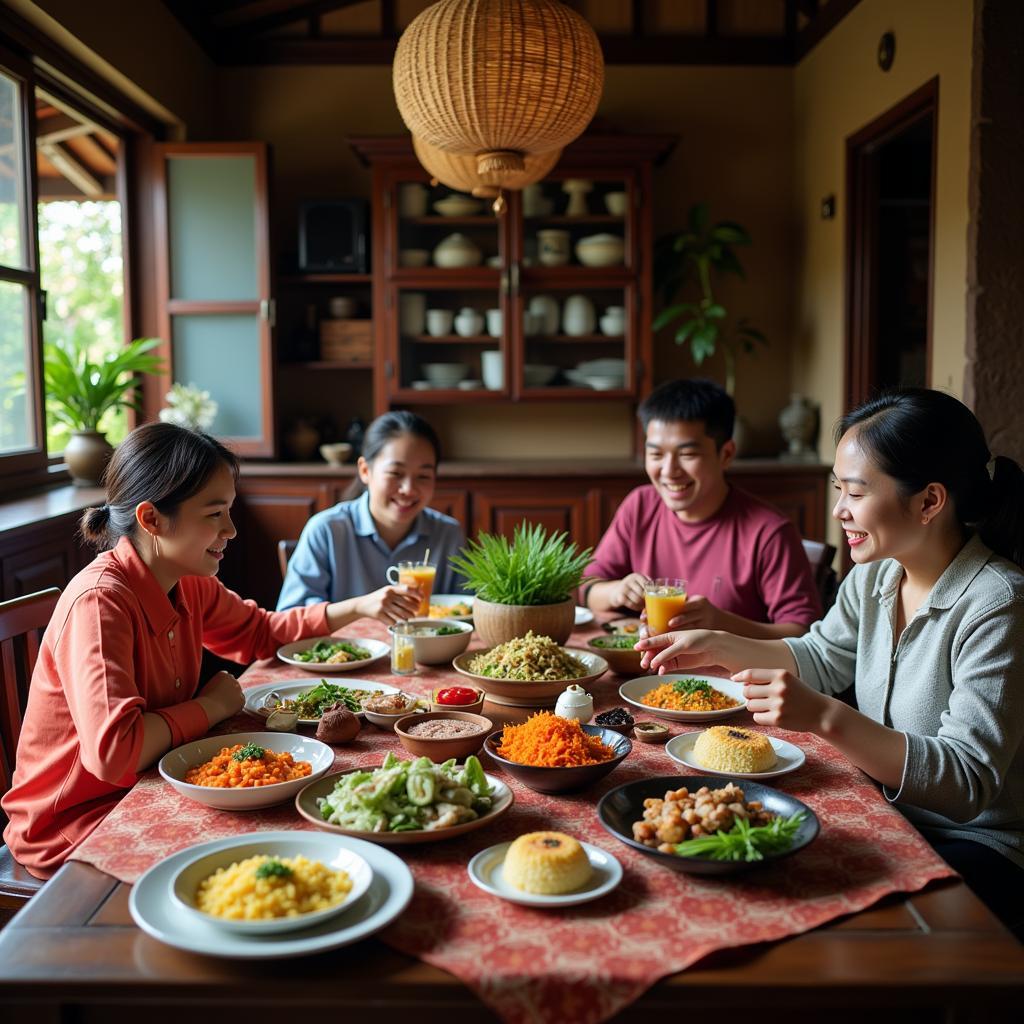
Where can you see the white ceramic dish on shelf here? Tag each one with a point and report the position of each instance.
(445, 375)
(537, 375)
(389, 893)
(485, 872)
(599, 383)
(458, 206)
(788, 755)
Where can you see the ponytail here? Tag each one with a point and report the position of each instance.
(1002, 525)
(94, 527)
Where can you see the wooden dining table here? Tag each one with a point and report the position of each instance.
(74, 954)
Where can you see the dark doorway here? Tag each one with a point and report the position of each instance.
(891, 190)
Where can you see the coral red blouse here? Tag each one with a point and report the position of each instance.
(117, 647)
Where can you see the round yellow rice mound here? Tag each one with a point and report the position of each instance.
(731, 748)
(547, 862)
(237, 894)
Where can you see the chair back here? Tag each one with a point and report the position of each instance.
(285, 550)
(821, 555)
(22, 621)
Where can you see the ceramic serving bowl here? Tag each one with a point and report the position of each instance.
(386, 719)
(439, 749)
(175, 764)
(475, 708)
(445, 375)
(537, 693)
(431, 649)
(336, 856)
(623, 660)
(562, 780)
(601, 382)
(619, 808)
(336, 454)
(458, 206)
(600, 250)
(413, 257)
(537, 375)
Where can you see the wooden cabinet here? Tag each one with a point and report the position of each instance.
(558, 507)
(44, 555)
(548, 300)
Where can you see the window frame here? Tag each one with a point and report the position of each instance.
(23, 466)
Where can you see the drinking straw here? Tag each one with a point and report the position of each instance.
(426, 557)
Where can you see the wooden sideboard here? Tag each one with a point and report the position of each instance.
(578, 496)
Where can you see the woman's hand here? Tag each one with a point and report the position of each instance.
(221, 697)
(390, 604)
(779, 698)
(699, 613)
(682, 651)
(629, 591)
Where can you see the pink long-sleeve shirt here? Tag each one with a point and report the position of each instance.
(117, 647)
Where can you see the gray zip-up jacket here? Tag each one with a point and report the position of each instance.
(953, 684)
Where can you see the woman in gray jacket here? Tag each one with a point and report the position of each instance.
(927, 629)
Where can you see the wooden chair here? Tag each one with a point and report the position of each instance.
(820, 555)
(22, 622)
(285, 550)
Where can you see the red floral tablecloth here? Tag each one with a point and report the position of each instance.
(586, 963)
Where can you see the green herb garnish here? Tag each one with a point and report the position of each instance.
(448, 631)
(250, 752)
(273, 868)
(535, 568)
(690, 686)
(619, 642)
(323, 650)
(743, 841)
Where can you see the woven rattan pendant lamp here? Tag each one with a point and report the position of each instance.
(460, 172)
(498, 80)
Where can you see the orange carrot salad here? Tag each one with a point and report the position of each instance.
(546, 741)
(247, 766)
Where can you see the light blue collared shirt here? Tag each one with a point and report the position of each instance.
(341, 555)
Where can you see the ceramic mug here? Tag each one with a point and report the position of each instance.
(494, 323)
(492, 369)
(553, 247)
(439, 322)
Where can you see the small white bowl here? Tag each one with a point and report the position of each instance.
(600, 383)
(413, 257)
(537, 375)
(307, 844)
(615, 203)
(439, 650)
(445, 375)
(175, 764)
(601, 251)
(470, 385)
(458, 206)
(386, 719)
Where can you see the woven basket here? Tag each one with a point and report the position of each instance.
(498, 79)
(460, 172)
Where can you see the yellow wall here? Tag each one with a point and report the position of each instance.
(839, 88)
(735, 150)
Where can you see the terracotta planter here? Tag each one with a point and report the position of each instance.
(497, 623)
(86, 456)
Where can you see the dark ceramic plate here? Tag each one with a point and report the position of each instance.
(620, 807)
(562, 780)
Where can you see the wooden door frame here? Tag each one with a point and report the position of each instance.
(861, 201)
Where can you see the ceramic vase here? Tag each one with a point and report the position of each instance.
(468, 323)
(86, 456)
(499, 623)
(578, 317)
(798, 422)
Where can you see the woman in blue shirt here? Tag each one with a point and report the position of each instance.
(344, 552)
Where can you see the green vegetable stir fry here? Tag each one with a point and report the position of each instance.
(332, 652)
(314, 702)
(405, 796)
(618, 642)
(745, 841)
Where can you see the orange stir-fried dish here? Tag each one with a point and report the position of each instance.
(546, 741)
(688, 695)
(247, 766)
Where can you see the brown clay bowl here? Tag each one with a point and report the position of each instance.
(497, 623)
(439, 750)
(537, 694)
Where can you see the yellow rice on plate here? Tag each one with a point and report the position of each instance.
(262, 888)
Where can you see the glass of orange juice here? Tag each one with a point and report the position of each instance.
(416, 574)
(664, 598)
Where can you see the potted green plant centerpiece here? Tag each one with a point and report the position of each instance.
(523, 585)
(79, 391)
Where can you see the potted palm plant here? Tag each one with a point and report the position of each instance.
(79, 391)
(523, 585)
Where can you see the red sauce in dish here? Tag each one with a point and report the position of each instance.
(456, 695)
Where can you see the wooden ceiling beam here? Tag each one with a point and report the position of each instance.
(79, 176)
(59, 128)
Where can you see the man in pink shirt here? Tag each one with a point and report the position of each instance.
(742, 560)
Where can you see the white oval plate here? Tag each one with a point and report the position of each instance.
(291, 688)
(789, 755)
(632, 691)
(485, 872)
(450, 599)
(584, 616)
(186, 882)
(377, 648)
(389, 894)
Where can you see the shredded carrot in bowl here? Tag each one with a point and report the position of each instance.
(546, 741)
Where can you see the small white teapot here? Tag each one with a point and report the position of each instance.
(575, 703)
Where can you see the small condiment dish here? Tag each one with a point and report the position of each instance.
(186, 881)
(475, 708)
(386, 719)
(442, 748)
(650, 732)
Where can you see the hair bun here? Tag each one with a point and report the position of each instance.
(93, 526)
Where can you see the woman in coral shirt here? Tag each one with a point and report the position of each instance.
(117, 680)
